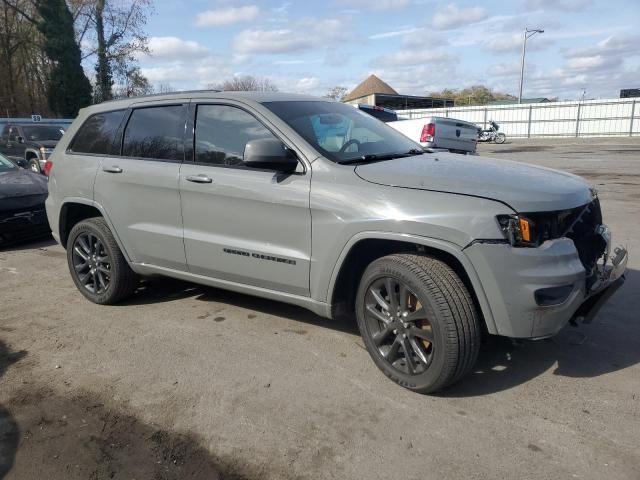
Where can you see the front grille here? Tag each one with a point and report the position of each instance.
(582, 230)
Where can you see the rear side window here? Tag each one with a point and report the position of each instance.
(222, 133)
(97, 133)
(155, 133)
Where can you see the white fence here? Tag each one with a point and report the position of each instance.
(591, 118)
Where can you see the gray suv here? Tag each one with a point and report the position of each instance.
(318, 204)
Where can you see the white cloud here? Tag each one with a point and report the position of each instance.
(227, 16)
(565, 5)
(207, 70)
(271, 41)
(451, 17)
(307, 84)
(416, 57)
(394, 33)
(310, 33)
(174, 48)
(378, 5)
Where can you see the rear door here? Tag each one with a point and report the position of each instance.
(455, 135)
(138, 187)
(242, 224)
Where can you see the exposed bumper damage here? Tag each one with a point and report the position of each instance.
(610, 277)
(513, 279)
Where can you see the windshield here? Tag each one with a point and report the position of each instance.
(341, 132)
(41, 132)
(6, 164)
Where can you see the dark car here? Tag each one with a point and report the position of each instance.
(381, 113)
(22, 196)
(30, 145)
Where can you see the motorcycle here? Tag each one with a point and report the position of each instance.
(491, 134)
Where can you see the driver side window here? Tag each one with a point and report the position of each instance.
(336, 133)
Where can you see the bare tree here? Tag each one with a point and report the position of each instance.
(115, 31)
(165, 88)
(135, 84)
(24, 68)
(336, 93)
(247, 83)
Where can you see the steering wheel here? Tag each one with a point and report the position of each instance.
(348, 144)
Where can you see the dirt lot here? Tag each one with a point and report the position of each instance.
(185, 381)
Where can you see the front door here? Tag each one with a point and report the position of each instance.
(241, 224)
(14, 148)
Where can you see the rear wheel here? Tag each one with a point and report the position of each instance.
(97, 265)
(418, 321)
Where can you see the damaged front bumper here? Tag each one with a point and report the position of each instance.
(513, 279)
(610, 277)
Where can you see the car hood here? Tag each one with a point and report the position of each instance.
(21, 189)
(525, 188)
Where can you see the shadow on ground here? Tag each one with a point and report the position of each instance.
(609, 344)
(162, 289)
(42, 241)
(9, 431)
(80, 436)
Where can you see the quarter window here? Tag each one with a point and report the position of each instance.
(222, 133)
(97, 133)
(155, 133)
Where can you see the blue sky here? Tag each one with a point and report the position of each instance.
(416, 46)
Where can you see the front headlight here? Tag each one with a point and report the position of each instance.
(520, 231)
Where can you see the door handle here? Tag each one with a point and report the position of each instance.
(199, 179)
(114, 169)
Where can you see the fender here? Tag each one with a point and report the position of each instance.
(31, 150)
(434, 243)
(92, 203)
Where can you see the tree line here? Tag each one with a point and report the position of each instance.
(43, 44)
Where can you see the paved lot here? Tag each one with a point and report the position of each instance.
(185, 381)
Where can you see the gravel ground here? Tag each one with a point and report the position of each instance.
(184, 381)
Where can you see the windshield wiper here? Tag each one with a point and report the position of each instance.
(374, 157)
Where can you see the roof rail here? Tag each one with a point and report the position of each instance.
(181, 92)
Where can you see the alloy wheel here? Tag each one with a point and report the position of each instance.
(398, 324)
(91, 263)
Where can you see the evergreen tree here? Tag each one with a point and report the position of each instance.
(69, 87)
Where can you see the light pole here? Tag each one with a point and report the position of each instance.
(527, 34)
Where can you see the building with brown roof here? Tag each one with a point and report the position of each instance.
(373, 91)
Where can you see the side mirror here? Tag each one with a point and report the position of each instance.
(270, 153)
(20, 140)
(22, 163)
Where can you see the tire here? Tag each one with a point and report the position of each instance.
(34, 165)
(442, 332)
(500, 138)
(92, 251)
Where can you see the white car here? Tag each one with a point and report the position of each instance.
(440, 133)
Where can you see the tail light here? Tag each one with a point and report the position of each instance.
(428, 133)
(47, 167)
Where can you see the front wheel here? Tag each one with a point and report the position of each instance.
(418, 321)
(97, 265)
(500, 138)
